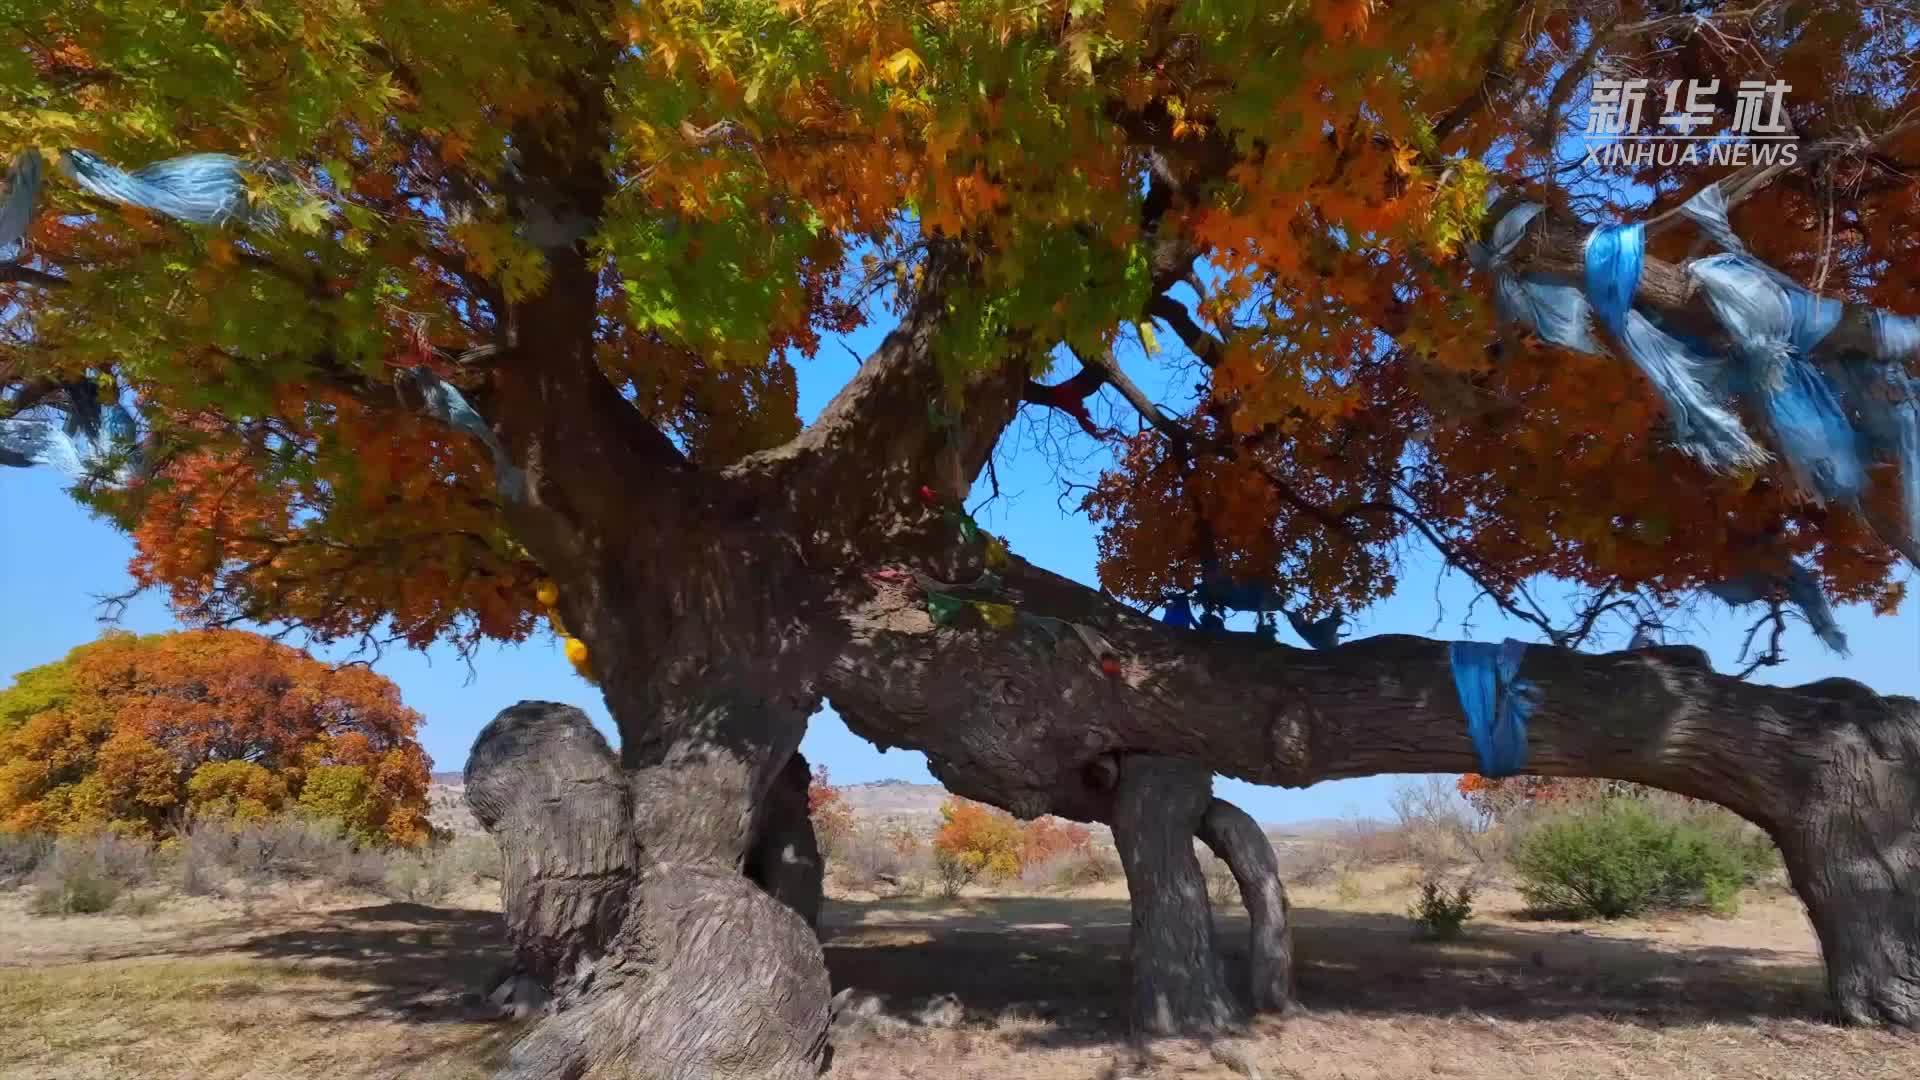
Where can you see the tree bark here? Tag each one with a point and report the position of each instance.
(1179, 983)
(544, 783)
(1852, 848)
(1021, 718)
(1244, 847)
(786, 858)
(709, 977)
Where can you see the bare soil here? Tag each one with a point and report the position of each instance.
(303, 984)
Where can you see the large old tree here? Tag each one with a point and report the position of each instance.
(615, 228)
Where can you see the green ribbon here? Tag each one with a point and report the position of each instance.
(943, 608)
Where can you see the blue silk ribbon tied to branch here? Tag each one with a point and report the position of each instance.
(1496, 700)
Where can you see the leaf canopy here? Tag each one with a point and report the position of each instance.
(778, 165)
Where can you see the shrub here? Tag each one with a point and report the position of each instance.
(21, 854)
(951, 873)
(879, 854)
(215, 852)
(84, 875)
(1439, 912)
(75, 890)
(1087, 867)
(475, 857)
(974, 840)
(1222, 889)
(1623, 855)
(424, 877)
(1346, 887)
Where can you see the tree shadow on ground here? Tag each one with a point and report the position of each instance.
(403, 961)
(1066, 962)
(1020, 957)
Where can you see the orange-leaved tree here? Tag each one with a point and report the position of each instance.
(974, 841)
(1047, 838)
(142, 734)
(831, 813)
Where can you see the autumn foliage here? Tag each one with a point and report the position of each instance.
(778, 164)
(831, 813)
(1507, 797)
(976, 841)
(140, 735)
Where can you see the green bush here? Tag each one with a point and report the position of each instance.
(1440, 912)
(1623, 855)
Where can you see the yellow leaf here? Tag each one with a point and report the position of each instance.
(902, 64)
(1148, 340)
(308, 216)
(1080, 53)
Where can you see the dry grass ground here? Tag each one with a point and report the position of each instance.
(302, 984)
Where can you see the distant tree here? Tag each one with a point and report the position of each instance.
(133, 734)
(1049, 837)
(975, 841)
(832, 815)
(1501, 798)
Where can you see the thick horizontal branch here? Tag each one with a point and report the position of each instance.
(1022, 717)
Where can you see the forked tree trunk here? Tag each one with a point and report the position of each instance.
(1243, 846)
(1179, 982)
(706, 976)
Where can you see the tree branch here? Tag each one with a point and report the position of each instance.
(1554, 247)
(14, 273)
(1201, 342)
(1497, 71)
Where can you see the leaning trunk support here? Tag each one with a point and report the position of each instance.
(1179, 983)
(1240, 843)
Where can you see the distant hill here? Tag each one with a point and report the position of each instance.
(447, 805)
(895, 800)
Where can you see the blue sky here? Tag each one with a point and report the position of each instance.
(55, 560)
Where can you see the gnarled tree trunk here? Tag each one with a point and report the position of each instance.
(1851, 841)
(705, 974)
(1179, 983)
(1244, 847)
(544, 783)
